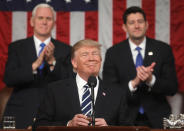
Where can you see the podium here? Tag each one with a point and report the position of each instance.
(90, 128)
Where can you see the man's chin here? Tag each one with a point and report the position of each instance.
(138, 37)
(93, 73)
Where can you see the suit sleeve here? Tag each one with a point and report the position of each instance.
(46, 112)
(166, 79)
(110, 74)
(15, 72)
(62, 70)
(124, 113)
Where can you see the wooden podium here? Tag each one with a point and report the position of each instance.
(90, 128)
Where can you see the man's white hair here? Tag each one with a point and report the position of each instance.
(43, 5)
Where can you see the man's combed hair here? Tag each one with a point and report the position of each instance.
(133, 9)
(83, 43)
(43, 5)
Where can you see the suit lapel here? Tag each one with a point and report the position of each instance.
(29, 48)
(100, 99)
(75, 97)
(129, 60)
(149, 53)
(56, 49)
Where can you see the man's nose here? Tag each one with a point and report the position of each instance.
(44, 21)
(91, 57)
(136, 24)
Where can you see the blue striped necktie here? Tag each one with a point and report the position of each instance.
(42, 47)
(86, 106)
(139, 62)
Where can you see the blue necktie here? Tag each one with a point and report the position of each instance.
(42, 47)
(139, 57)
(86, 106)
(139, 62)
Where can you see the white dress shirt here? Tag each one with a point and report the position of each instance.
(38, 42)
(80, 83)
(134, 55)
(38, 48)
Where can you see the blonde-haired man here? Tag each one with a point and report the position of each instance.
(63, 104)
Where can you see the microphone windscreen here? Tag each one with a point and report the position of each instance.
(92, 81)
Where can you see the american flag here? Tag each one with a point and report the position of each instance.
(99, 20)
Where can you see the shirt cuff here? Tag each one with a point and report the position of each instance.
(35, 72)
(52, 65)
(131, 87)
(152, 82)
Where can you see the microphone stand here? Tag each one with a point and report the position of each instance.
(92, 81)
(93, 106)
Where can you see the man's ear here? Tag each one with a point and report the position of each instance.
(124, 27)
(31, 22)
(74, 63)
(147, 25)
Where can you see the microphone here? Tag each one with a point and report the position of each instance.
(92, 81)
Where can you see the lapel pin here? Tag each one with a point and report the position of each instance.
(104, 94)
(150, 53)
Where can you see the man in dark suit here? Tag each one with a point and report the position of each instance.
(145, 70)
(30, 67)
(63, 104)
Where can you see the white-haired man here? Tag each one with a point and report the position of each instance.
(32, 64)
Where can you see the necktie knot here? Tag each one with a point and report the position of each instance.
(138, 49)
(42, 45)
(86, 86)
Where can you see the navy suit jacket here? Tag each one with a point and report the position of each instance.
(29, 88)
(119, 68)
(61, 104)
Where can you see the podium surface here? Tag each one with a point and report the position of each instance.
(90, 128)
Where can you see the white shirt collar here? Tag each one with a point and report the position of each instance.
(80, 83)
(38, 42)
(133, 45)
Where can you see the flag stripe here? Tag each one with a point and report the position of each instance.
(119, 6)
(5, 39)
(177, 39)
(91, 25)
(134, 3)
(77, 22)
(105, 24)
(63, 26)
(29, 28)
(105, 28)
(149, 8)
(162, 20)
(19, 32)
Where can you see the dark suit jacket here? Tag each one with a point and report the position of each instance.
(119, 68)
(29, 88)
(61, 104)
